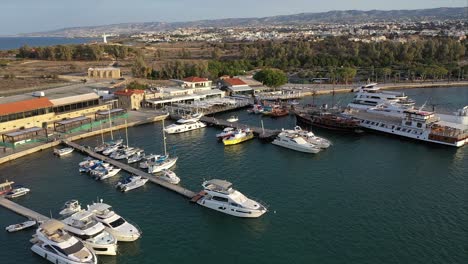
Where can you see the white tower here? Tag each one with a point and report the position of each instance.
(104, 36)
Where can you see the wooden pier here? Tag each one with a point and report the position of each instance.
(21, 210)
(262, 133)
(176, 188)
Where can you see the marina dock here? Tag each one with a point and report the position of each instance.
(21, 210)
(261, 133)
(176, 188)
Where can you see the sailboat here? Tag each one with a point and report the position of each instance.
(159, 165)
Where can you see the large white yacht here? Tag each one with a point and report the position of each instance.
(310, 137)
(82, 225)
(180, 127)
(114, 223)
(416, 124)
(291, 140)
(370, 95)
(57, 246)
(220, 196)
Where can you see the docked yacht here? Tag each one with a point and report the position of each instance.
(169, 176)
(131, 183)
(20, 226)
(370, 95)
(112, 148)
(107, 173)
(310, 137)
(82, 225)
(180, 127)
(416, 124)
(70, 208)
(17, 191)
(190, 118)
(63, 151)
(220, 196)
(294, 141)
(114, 223)
(57, 246)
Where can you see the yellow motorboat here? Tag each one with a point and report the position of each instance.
(238, 137)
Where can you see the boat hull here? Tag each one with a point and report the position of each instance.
(54, 258)
(296, 147)
(235, 141)
(159, 168)
(231, 210)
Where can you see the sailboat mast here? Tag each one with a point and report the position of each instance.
(102, 133)
(110, 123)
(164, 139)
(126, 131)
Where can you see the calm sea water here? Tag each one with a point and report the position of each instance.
(368, 199)
(7, 43)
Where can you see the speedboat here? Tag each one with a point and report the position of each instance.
(312, 138)
(295, 142)
(131, 183)
(169, 176)
(83, 225)
(114, 223)
(20, 226)
(220, 196)
(57, 246)
(160, 165)
(70, 208)
(227, 132)
(17, 192)
(232, 119)
(184, 127)
(109, 173)
(239, 136)
(63, 151)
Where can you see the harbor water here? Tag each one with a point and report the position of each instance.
(369, 198)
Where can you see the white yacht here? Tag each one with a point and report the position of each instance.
(20, 226)
(169, 176)
(310, 137)
(83, 226)
(220, 196)
(57, 246)
(185, 126)
(159, 165)
(370, 95)
(110, 172)
(70, 208)
(294, 141)
(416, 124)
(131, 183)
(114, 223)
(17, 192)
(63, 151)
(227, 132)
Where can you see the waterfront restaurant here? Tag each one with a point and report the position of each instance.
(235, 86)
(194, 82)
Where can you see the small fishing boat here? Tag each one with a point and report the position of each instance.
(232, 119)
(17, 192)
(63, 151)
(227, 132)
(238, 137)
(169, 176)
(70, 208)
(131, 183)
(20, 226)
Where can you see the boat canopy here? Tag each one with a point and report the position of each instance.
(217, 184)
(51, 226)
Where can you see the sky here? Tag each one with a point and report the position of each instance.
(26, 16)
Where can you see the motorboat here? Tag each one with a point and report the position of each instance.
(56, 245)
(136, 157)
(109, 173)
(159, 165)
(63, 151)
(114, 223)
(20, 226)
(295, 142)
(184, 127)
(131, 183)
(83, 225)
(220, 196)
(151, 158)
(190, 118)
(169, 176)
(239, 136)
(17, 191)
(311, 137)
(232, 119)
(70, 208)
(90, 165)
(227, 132)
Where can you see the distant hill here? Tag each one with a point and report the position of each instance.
(348, 16)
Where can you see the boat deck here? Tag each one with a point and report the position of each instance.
(377, 117)
(258, 131)
(21, 210)
(176, 188)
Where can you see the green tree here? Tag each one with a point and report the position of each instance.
(347, 73)
(139, 68)
(271, 77)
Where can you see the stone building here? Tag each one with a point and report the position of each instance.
(104, 73)
(130, 99)
(194, 82)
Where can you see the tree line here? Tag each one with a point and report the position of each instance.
(74, 52)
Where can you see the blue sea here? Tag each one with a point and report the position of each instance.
(7, 43)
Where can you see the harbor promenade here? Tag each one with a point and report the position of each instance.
(176, 188)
